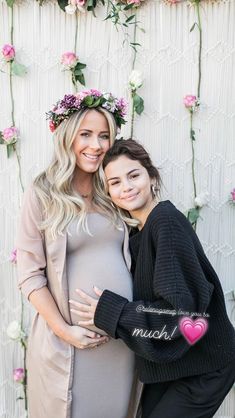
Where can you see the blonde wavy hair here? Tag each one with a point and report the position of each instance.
(59, 201)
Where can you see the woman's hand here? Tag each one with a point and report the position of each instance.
(86, 310)
(82, 338)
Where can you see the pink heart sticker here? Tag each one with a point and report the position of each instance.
(193, 330)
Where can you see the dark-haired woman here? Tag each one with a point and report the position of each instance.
(177, 323)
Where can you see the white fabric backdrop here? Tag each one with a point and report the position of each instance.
(168, 60)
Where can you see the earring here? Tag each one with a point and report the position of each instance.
(154, 190)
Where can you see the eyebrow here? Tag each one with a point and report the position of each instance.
(129, 172)
(88, 130)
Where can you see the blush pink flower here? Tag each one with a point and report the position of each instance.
(52, 126)
(18, 375)
(13, 256)
(69, 59)
(8, 52)
(233, 195)
(10, 134)
(190, 100)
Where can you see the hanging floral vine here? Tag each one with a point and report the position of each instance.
(9, 137)
(192, 103)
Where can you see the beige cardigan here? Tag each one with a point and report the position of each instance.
(41, 262)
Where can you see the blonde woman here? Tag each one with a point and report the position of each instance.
(68, 235)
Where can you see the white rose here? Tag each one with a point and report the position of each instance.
(135, 79)
(201, 199)
(14, 330)
(70, 9)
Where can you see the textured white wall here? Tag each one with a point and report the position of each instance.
(168, 59)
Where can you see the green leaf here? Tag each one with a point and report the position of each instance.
(80, 66)
(10, 2)
(18, 69)
(63, 4)
(193, 215)
(80, 78)
(192, 135)
(77, 72)
(88, 100)
(130, 18)
(10, 150)
(192, 28)
(138, 104)
(1, 139)
(96, 103)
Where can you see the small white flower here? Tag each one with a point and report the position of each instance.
(70, 9)
(201, 199)
(14, 330)
(135, 80)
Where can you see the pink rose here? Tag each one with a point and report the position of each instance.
(10, 133)
(13, 256)
(8, 52)
(190, 100)
(69, 59)
(52, 126)
(233, 195)
(18, 375)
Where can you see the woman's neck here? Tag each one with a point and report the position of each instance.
(82, 183)
(143, 213)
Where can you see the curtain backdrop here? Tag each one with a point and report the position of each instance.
(167, 58)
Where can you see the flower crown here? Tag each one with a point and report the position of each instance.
(86, 99)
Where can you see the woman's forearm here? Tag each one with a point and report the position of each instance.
(44, 303)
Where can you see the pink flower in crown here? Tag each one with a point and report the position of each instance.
(80, 2)
(18, 375)
(8, 52)
(69, 59)
(52, 126)
(122, 105)
(10, 134)
(190, 100)
(13, 256)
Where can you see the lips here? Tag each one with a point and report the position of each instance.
(92, 157)
(131, 197)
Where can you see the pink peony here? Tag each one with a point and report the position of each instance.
(10, 133)
(190, 100)
(18, 375)
(13, 256)
(8, 52)
(69, 59)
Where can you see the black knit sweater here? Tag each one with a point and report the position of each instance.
(171, 273)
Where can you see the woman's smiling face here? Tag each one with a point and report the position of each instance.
(92, 141)
(129, 184)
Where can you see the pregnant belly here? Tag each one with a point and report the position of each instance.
(111, 276)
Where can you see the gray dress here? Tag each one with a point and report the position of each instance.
(102, 376)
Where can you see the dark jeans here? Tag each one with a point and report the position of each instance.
(189, 397)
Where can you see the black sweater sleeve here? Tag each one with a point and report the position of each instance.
(178, 283)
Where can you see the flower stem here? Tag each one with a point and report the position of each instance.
(133, 67)
(75, 50)
(193, 156)
(19, 167)
(200, 49)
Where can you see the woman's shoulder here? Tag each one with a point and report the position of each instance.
(166, 217)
